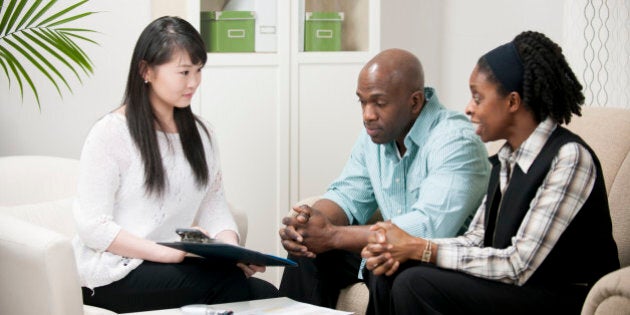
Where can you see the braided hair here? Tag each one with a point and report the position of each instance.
(550, 88)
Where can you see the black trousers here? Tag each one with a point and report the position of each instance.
(425, 289)
(154, 286)
(318, 281)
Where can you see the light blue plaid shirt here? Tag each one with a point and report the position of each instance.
(430, 191)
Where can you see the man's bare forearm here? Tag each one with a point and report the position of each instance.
(332, 211)
(350, 238)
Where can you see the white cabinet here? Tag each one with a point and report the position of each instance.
(285, 120)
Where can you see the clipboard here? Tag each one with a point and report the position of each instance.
(231, 253)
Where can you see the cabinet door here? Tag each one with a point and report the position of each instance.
(241, 102)
(329, 123)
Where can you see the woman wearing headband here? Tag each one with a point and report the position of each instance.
(543, 236)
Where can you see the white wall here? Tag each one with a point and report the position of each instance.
(449, 36)
(61, 126)
(471, 28)
(452, 34)
(424, 40)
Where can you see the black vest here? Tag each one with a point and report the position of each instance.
(586, 250)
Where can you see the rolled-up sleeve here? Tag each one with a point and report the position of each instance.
(456, 180)
(352, 190)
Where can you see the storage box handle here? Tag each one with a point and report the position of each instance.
(324, 34)
(236, 33)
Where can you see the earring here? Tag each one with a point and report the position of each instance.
(145, 81)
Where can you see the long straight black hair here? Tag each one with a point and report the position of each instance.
(155, 46)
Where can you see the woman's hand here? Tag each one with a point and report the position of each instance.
(389, 246)
(171, 255)
(250, 269)
(226, 236)
(230, 237)
(378, 258)
(128, 245)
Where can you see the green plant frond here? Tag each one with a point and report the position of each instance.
(67, 29)
(61, 13)
(70, 19)
(35, 63)
(51, 51)
(8, 12)
(15, 15)
(4, 66)
(84, 57)
(34, 32)
(17, 68)
(79, 37)
(29, 13)
(11, 61)
(41, 12)
(68, 50)
(44, 60)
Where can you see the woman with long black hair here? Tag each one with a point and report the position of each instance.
(147, 168)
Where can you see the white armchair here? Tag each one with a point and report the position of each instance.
(38, 270)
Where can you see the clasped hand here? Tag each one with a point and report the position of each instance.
(388, 246)
(307, 232)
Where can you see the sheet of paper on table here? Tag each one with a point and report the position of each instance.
(277, 306)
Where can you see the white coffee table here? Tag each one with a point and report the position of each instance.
(280, 306)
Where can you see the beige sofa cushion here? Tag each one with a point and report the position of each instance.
(33, 179)
(610, 295)
(54, 215)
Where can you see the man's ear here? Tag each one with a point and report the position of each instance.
(514, 101)
(418, 102)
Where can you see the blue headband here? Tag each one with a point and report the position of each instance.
(507, 67)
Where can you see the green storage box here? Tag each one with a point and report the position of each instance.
(228, 31)
(322, 31)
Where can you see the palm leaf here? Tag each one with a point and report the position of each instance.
(18, 70)
(6, 16)
(34, 62)
(29, 13)
(51, 51)
(58, 42)
(14, 17)
(41, 12)
(31, 34)
(61, 13)
(4, 65)
(79, 37)
(45, 61)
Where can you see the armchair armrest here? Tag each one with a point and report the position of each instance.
(610, 295)
(241, 222)
(38, 270)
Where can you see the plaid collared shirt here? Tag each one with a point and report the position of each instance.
(562, 194)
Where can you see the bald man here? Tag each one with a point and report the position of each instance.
(419, 164)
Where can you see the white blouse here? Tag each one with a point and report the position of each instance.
(112, 196)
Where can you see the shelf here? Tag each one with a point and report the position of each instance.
(242, 59)
(326, 57)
